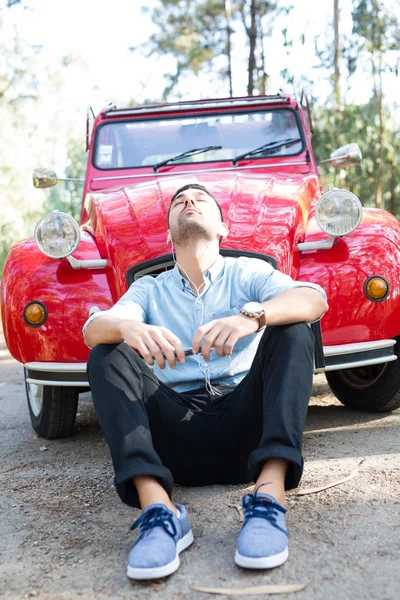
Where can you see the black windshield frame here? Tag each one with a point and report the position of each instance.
(241, 111)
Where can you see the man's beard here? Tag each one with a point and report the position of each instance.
(190, 231)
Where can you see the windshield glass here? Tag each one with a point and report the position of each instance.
(134, 143)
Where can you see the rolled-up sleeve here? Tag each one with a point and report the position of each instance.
(267, 282)
(132, 305)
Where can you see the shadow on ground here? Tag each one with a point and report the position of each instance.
(65, 535)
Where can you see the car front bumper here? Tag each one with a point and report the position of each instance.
(346, 356)
(53, 373)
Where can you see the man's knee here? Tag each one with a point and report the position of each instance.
(292, 331)
(103, 354)
(295, 335)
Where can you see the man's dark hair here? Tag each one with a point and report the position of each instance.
(193, 186)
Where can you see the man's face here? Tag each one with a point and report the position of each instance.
(194, 215)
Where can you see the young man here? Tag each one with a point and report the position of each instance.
(232, 411)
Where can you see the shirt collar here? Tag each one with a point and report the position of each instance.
(215, 269)
(212, 273)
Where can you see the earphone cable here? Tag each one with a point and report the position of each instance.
(206, 371)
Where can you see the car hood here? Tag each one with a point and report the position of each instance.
(263, 214)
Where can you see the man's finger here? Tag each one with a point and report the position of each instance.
(176, 344)
(156, 352)
(167, 348)
(199, 334)
(168, 351)
(209, 340)
(170, 356)
(230, 344)
(221, 341)
(145, 352)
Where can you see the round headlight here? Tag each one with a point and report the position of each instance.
(57, 235)
(338, 212)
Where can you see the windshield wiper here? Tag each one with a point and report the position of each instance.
(185, 155)
(267, 148)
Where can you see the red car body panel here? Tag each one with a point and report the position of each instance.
(67, 294)
(372, 249)
(263, 214)
(268, 205)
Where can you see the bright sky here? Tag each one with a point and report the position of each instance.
(101, 32)
(99, 35)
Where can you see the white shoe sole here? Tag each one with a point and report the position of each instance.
(267, 562)
(165, 570)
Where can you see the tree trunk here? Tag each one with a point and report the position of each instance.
(394, 204)
(393, 182)
(336, 60)
(263, 78)
(252, 35)
(228, 14)
(380, 200)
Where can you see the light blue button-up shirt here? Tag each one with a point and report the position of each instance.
(168, 301)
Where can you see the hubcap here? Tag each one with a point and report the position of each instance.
(35, 397)
(363, 377)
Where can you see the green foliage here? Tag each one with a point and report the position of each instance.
(356, 123)
(6, 241)
(375, 27)
(195, 34)
(191, 32)
(18, 89)
(376, 35)
(67, 196)
(18, 82)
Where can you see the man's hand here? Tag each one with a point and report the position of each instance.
(153, 343)
(222, 334)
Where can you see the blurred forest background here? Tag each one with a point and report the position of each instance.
(231, 45)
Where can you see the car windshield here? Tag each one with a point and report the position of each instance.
(145, 143)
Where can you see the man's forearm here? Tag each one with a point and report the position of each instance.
(300, 304)
(105, 329)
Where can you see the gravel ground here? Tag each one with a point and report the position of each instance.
(65, 535)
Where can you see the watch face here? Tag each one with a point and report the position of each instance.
(252, 307)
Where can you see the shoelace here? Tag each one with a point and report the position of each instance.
(262, 508)
(155, 517)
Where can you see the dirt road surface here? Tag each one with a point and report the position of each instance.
(65, 535)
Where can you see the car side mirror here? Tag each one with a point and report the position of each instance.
(345, 157)
(44, 178)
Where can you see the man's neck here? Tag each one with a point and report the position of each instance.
(196, 258)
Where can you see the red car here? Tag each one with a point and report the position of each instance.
(255, 155)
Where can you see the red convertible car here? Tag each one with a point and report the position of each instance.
(256, 157)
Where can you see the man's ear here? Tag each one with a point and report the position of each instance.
(223, 230)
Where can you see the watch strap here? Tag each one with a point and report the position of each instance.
(259, 315)
(262, 320)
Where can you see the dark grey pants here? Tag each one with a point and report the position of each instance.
(197, 440)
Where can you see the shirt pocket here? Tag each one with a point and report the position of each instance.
(235, 310)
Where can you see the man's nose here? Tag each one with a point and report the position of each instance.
(188, 201)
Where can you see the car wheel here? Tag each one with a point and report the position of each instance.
(373, 388)
(52, 409)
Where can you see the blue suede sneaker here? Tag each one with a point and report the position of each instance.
(263, 541)
(162, 536)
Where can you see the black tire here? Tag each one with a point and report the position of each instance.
(375, 388)
(53, 416)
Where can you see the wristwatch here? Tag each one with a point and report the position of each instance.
(255, 310)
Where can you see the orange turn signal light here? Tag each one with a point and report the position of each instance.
(35, 314)
(376, 288)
